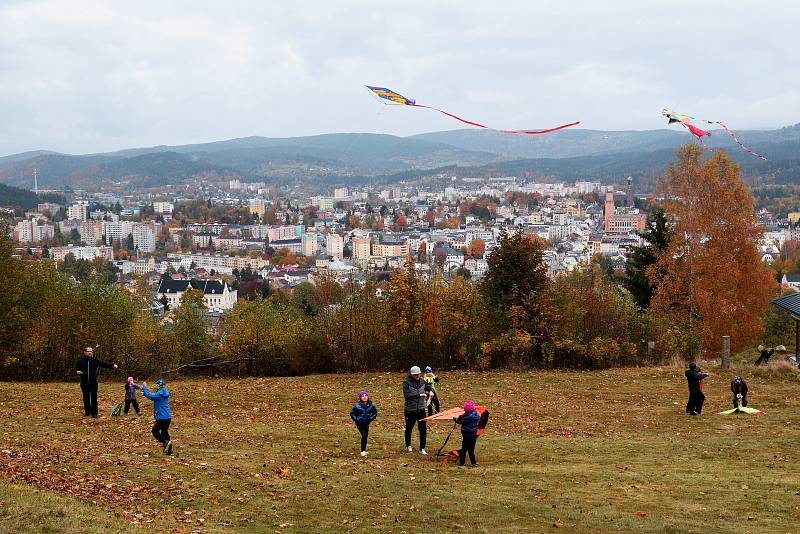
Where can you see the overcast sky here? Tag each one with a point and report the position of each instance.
(97, 75)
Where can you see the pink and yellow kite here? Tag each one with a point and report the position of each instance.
(698, 133)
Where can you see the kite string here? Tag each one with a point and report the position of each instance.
(202, 362)
(439, 452)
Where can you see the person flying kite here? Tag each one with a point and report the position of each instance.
(687, 122)
(392, 98)
(474, 429)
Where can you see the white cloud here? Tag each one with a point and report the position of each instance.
(92, 75)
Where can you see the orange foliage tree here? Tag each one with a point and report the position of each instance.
(476, 248)
(400, 223)
(711, 278)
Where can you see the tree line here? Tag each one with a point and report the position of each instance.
(696, 277)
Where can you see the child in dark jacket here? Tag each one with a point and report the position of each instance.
(130, 396)
(161, 413)
(738, 391)
(363, 413)
(469, 433)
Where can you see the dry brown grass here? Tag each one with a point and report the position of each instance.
(586, 451)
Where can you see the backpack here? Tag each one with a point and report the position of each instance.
(483, 421)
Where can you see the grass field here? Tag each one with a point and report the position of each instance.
(582, 451)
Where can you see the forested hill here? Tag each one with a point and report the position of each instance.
(15, 197)
(354, 158)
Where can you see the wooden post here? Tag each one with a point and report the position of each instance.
(726, 352)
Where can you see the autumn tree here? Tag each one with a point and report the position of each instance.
(430, 217)
(710, 277)
(403, 299)
(271, 216)
(190, 339)
(476, 248)
(356, 332)
(400, 222)
(269, 334)
(451, 223)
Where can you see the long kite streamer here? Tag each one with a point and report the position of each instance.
(698, 133)
(389, 97)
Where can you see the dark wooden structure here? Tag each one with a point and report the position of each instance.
(791, 304)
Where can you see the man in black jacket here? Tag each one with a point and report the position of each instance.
(87, 368)
(696, 397)
(414, 408)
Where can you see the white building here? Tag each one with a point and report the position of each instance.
(309, 245)
(791, 280)
(144, 266)
(118, 230)
(583, 188)
(31, 232)
(91, 231)
(82, 253)
(361, 247)
(126, 266)
(334, 245)
(219, 262)
(216, 293)
(278, 233)
(163, 208)
(144, 236)
(78, 212)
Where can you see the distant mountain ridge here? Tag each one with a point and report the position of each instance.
(339, 158)
(580, 142)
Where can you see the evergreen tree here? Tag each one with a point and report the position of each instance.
(656, 236)
(516, 271)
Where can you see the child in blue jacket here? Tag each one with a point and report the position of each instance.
(161, 413)
(469, 433)
(363, 413)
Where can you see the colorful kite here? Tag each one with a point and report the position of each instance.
(686, 121)
(447, 415)
(389, 97)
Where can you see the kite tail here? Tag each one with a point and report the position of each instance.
(471, 123)
(456, 117)
(534, 132)
(736, 139)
